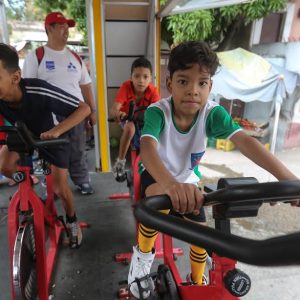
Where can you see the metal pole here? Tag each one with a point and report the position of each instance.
(4, 37)
(90, 28)
(275, 127)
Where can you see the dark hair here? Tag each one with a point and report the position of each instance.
(193, 52)
(141, 62)
(9, 58)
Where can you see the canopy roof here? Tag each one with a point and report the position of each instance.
(247, 76)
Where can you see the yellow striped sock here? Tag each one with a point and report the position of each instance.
(198, 257)
(147, 237)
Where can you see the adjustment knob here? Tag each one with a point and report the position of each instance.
(237, 282)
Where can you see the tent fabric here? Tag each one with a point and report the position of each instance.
(244, 64)
(291, 79)
(229, 83)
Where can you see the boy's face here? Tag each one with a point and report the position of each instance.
(8, 83)
(190, 89)
(141, 77)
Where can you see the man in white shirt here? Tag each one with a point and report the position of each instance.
(62, 67)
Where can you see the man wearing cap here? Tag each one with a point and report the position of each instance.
(62, 67)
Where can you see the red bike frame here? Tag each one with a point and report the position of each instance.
(214, 291)
(23, 200)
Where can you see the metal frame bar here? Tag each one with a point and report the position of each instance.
(171, 9)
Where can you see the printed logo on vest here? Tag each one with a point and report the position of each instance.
(71, 68)
(195, 159)
(50, 66)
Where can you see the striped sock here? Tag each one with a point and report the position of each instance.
(198, 257)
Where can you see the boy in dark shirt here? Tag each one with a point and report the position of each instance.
(34, 101)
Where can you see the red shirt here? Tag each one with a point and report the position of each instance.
(126, 94)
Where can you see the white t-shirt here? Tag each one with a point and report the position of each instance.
(181, 151)
(60, 68)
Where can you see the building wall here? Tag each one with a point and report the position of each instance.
(126, 27)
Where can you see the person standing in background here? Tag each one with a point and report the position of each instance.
(63, 68)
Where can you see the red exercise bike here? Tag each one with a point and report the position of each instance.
(34, 228)
(236, 197)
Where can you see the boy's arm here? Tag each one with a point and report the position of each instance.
(82, 111)
(186, 198)
(116, 113)
(88, 97)
(255, 151)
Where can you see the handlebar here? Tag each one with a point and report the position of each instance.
(19, 138)
(281, 250)
(132, 110)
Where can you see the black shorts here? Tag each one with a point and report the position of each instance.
(147, 180)
(58, 156)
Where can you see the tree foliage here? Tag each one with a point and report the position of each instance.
(216, 26)
(24, 10)
(36, 10)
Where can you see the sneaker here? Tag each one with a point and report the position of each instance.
(75, 234)
(119, 170)
(192, 282)
(140, 267)
(85, 189)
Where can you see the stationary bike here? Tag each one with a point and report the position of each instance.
(236, 197)
(34, 228)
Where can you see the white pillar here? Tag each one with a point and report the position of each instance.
(275, 127)
(4, 38)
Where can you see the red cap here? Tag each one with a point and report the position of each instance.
(58, 17)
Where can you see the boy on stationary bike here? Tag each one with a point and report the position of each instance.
(140, 90)
(33, 101)
(172, 145)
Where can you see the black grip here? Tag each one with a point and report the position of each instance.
(282, 250)
(25, 134)
(265, 192)
(21, 140)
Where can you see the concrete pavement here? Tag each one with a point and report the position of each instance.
(276, 283)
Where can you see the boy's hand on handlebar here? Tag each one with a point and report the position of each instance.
(119, 115)
(50, 134)
(185, 197)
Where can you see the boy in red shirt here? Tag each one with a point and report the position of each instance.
(140, 90)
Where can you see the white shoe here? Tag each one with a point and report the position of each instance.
(140, 267)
